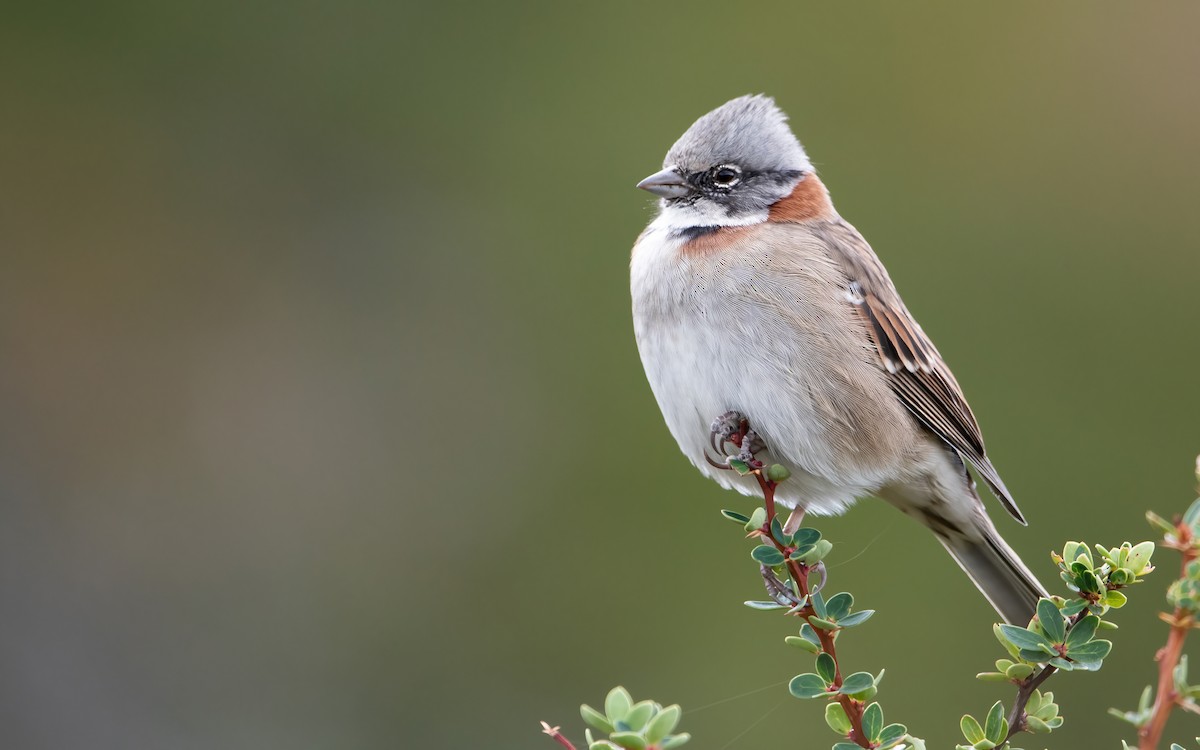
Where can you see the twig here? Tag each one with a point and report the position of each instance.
(1165, 698)
(799, 574)
(1016, 717)
(557, 735)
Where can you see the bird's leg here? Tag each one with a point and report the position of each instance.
(749, 445)
(777, 589)
(727, 428)
(734, 427)
(795, 518)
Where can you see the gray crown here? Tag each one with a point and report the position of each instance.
(749, 131)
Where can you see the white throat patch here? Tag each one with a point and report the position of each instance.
(677, 218)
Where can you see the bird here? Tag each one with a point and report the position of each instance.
(752, 296)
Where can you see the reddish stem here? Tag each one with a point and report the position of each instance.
(799, 573)
(557, 735)
(1165, 698)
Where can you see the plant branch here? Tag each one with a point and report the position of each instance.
(1181, 621)
(557, 735)
(799, 574)
(1016, 717)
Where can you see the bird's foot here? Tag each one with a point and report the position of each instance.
(779, 590)
(734, 427)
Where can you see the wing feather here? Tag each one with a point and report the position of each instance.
(918, 375)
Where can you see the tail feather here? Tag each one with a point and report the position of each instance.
(998, 573)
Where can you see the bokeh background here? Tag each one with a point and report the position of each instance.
(322, 422)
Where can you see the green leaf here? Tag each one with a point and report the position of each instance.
(800, 552)
(835, 717)
(971, 729)
(1162, 524)
(1139, 557)
(1018, 671)
(1026, 639)
(736, 517)
(1072, 551)
(777, 531)
(810, 635)
(1036, 725)
(1090, 583)
(855, 618)
(1051, 621)
(991, 677)
(639, 715)
(1121, 577)
(1074, 607)
(765, 606)
(1038, 656)
(1091, 652)
(803, 643)
(817, 622)
(1115, 599)
(629, 740)
(740, 466)
(819, 552)
(1007, 644)
(675, 741)
(818, 603)
(872, 722)
(995, 726)
(766, 555)
(663, 724)
(857, 683)
(826, 667)
(845, 746)
(1192, 515)
(778, 473)
(757, 519)
(892, 734)
(1083, 631)
(807, 686)
(805, 536)
(617, 704)
(838, 606)
(595, 719)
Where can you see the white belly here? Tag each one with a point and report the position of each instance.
(712, 340)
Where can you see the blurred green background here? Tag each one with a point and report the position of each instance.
(323, 424)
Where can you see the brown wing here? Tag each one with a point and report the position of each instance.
(918, 375)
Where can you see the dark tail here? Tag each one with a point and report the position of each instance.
(998, 573)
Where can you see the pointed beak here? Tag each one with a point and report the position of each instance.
(666, 184)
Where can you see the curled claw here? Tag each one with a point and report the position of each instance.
(822, 574)
(778, 590)
(716, 464)
(715, 443)
(726, 426)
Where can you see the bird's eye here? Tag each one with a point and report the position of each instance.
(726, 176)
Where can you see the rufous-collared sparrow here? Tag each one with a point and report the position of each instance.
(752, 295)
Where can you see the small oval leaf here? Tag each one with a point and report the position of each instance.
(857, 683)
(629, 740)
(595, 719)
(617, 704)
(807, 686)
(766, 555)
(663, 724)
(826, 667)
